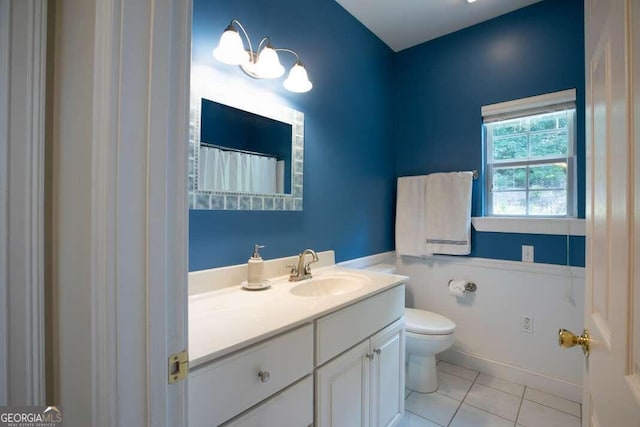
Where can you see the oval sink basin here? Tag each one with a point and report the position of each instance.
(330, 285)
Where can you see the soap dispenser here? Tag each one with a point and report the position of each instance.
(255, 271)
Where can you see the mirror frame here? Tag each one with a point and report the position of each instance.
(228, 200)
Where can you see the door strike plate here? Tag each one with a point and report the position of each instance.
(178, 366)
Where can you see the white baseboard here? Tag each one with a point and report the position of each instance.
(515, 374)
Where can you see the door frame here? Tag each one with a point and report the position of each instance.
(23, 32)
(134, 297)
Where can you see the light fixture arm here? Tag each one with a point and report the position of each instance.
(284, 49)
(253, 54)
(246, 36)
(266, 39)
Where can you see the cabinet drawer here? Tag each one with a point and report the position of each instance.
(292, 407)
(363, 319)
(229, 386)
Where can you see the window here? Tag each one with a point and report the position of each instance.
(529, 152)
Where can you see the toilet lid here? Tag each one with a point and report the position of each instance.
(428, 323)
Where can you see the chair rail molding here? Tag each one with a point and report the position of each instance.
(23, 29)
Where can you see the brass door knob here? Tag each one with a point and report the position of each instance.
(567, 339)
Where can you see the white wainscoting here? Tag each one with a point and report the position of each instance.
(488, 332)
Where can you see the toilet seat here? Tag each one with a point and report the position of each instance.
(427, 323)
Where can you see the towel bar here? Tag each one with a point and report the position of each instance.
(474, 173)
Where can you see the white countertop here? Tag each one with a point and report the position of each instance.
(226, 320)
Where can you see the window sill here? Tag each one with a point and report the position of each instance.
(555, 226)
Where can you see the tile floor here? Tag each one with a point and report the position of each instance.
(467, 398)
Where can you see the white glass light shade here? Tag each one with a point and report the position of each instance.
(268, 65)
(298, 81)
(230, 50)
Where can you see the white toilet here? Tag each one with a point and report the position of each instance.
(427, 334)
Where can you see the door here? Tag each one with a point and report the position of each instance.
(387, 376)
(612, 370)
(118, 131)
(342, 389)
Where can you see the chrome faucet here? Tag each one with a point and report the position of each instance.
(302, 271)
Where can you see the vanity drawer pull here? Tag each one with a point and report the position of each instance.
(264, 376)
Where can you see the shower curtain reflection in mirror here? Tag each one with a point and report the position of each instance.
(237, 171)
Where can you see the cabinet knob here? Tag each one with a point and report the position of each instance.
(370, 356)
(264, 376)
(377, 351)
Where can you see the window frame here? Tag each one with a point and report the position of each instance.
(522, 108)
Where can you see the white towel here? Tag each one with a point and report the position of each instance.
(448, 213)
(410, 215)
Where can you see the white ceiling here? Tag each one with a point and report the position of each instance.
(405, 23)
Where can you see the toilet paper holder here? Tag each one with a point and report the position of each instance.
(469, 286)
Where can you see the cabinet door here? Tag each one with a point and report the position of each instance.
(387, 375)
(342, 389)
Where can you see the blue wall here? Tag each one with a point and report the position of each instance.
(349, 171)
(374, 115)
(441, 85)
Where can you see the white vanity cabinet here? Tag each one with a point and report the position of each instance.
(364, 386)
(348, 363)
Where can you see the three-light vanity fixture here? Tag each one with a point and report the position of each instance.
(263, 63)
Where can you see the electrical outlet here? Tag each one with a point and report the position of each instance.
(527, 253)
(527, 324)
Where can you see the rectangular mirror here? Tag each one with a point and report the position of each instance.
(244, 154)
